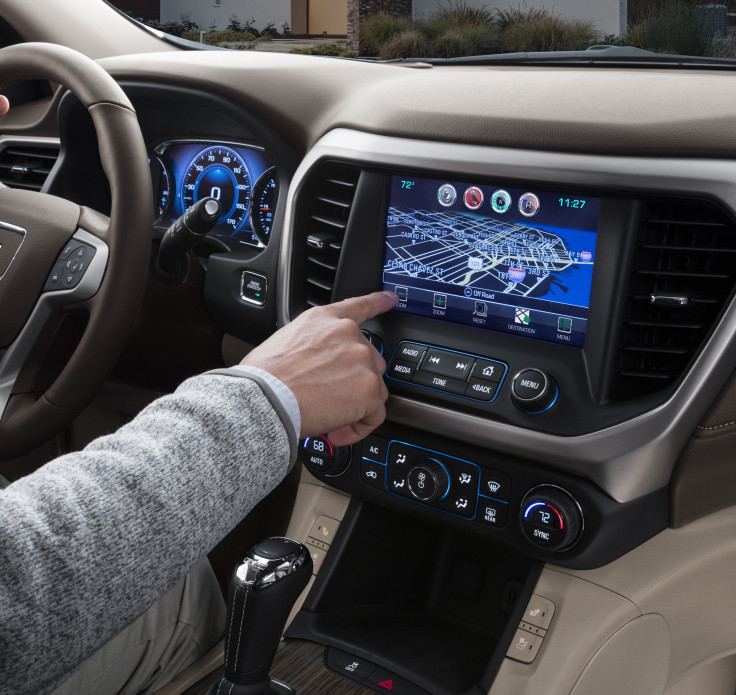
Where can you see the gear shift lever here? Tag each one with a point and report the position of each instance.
(262, 593)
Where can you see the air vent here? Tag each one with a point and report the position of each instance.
(321, 224)
(23, 166)
(684, 273)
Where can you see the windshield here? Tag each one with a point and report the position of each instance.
(447, 29)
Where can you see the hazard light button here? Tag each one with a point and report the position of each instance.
(386, 682)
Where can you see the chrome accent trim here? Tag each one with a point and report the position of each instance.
(258, 572)
(627, 460)
(16, 354)
(18, 230)
(163, 146)
(669, 300)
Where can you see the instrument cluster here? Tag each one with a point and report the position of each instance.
(241, 176)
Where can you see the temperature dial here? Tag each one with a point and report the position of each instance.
(319, 456)
(551, 518)
(428, 481)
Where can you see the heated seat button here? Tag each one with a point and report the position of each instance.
(410, 352)
(401, 370)
(348, 665)
(524, 647)
(444, 363)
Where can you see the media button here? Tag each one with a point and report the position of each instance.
(446, 363)
(401, 370)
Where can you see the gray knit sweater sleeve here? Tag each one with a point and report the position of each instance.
(92, 539)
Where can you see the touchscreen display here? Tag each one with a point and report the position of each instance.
(492, 256)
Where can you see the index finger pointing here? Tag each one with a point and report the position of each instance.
(361, 309)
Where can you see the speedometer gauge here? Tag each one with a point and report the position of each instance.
(220, 173)
(263, 205)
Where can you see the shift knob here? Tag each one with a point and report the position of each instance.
(262, 593)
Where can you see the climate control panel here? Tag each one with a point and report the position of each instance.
(534, 509)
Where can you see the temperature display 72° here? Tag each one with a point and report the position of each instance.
(221, 173)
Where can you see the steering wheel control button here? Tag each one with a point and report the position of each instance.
(349, 666)
(375, 448)
(551, 518)
(70, 267)
(533, 391)
(54, 279)
(524, 647)
(428, 481)
(372, 474)
(492, 512)
(253, 288)
(494, 484)
(403, 371)
(440, 383)
(444, 363)
(410, 352)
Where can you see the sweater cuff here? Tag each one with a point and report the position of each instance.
(278, 393)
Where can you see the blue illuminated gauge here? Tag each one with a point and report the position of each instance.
(220, 173)
(161, 186)
(263, 205)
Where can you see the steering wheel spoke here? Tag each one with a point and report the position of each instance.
(54, 254)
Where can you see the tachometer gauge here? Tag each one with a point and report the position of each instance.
(220, 173)
(161, 187)
(263, 204)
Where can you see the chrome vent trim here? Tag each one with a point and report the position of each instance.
(684, 272)
(324, 218)
(26, 163)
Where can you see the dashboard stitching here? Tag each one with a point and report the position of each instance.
(717, 427)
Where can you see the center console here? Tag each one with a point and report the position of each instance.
(561, 329)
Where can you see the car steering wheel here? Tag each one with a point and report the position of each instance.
(55, 254)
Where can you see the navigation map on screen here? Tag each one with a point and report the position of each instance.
(519, 261)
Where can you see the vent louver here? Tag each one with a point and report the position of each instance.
(322, 226)
(27, 166)
(684, 272)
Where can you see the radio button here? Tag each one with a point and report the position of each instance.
(451, 364)
(441, 383)
(409, 352)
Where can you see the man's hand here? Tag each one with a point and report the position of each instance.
(335, 374)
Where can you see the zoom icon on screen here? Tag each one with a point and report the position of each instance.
(501, 201)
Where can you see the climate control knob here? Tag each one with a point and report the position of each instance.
(551, 518)
(319, 456)
(428, 481)
(533, 391)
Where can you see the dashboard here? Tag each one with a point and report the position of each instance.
(566, 321)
